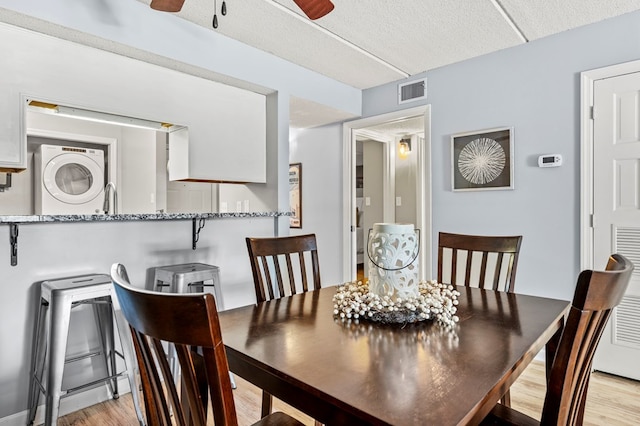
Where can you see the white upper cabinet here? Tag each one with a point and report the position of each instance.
(226, 137)
(232, 147)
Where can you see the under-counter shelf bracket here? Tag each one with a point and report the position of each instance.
(13, 240)
(196, 227)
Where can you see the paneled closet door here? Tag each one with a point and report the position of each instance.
(616, 178)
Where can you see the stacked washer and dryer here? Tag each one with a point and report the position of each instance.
(68, 180)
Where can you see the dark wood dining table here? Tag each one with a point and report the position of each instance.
(349, 373)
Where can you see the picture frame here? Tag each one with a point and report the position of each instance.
(482, 160)
(295, 195)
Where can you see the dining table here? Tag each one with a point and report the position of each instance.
(351, 372)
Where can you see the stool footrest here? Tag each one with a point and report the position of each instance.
(93, 383)
(83, 356)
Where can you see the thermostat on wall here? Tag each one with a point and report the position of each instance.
(550, 160)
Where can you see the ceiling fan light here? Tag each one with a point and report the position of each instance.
(315, 9)
(167, 5)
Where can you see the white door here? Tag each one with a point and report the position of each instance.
(616, 186)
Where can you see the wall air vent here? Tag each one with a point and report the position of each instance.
(626, 317)
(412, 91)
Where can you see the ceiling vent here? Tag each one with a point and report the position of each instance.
(412, 91)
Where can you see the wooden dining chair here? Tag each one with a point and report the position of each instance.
(596, 294)
(486, 261)
(270, 278)
(280, 268)
(187, 321)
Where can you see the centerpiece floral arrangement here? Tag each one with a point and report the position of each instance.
(434, 301)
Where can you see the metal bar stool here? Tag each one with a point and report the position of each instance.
(58, 298)
(188, 278)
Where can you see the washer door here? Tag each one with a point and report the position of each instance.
(73, 178)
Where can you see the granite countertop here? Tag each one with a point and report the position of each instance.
(131, 217)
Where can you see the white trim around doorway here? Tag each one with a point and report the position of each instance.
(587, 80)
(424, 213)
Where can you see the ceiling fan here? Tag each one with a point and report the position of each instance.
(314, 9)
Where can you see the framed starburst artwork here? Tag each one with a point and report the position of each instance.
(482, 160)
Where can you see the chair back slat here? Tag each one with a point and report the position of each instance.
(315, 266)
(486, 258)
(290, 273)
(596, 294)
(496, 276)
(303, 272)
(454, 267)
(268, 285)
(298, 252)
(483, 269)
(278, 271)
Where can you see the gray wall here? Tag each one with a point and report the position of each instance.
(55, 250)
(50, 251)
(535, 89)
(321, 194)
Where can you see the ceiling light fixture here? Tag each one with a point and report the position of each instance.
(167, 5)
(315, 9)
(301, 18)
(100, 117)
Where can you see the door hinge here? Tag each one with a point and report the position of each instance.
(592, 221)
(592, 113)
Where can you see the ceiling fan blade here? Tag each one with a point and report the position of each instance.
(315, 9)
(167, 5)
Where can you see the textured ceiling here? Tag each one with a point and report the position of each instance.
(366, 43)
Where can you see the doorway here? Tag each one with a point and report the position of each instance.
(610, 209)
(410, 124)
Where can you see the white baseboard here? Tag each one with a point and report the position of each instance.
(69, 404)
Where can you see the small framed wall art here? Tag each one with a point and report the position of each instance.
(482, 160)
(295, 195)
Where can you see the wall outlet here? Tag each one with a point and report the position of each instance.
(239, 206)
(224, 207)
(398, 201)
(246, 206)
(367, 201)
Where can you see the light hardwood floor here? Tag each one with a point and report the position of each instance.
(611, 401)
